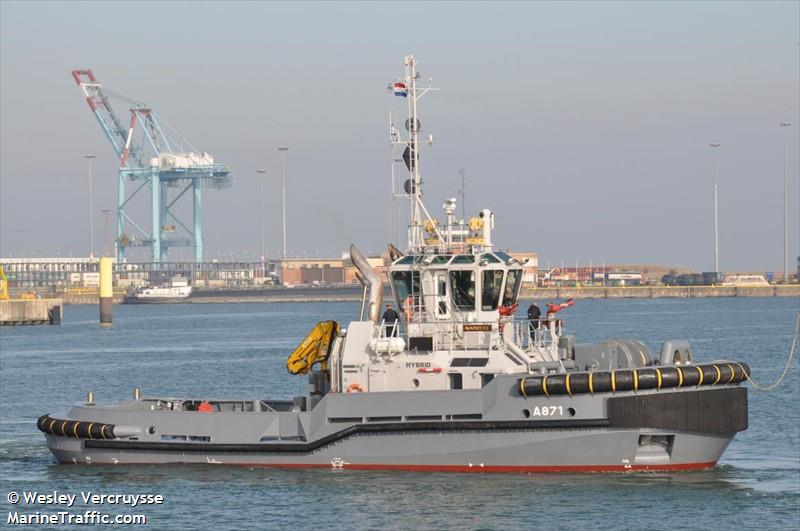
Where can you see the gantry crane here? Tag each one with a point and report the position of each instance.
(165, 162)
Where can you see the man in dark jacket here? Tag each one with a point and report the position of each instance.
(390, 318)
(534, 313)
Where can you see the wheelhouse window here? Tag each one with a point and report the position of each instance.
(462, 284)
(492, 285)
(441, 292)
(512, 287)
(405, 283)
(410, 259)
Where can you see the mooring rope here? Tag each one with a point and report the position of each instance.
(777, 382)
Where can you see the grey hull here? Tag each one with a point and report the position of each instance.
(596, 450)
(491, 429)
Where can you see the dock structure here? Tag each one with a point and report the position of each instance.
(30, 311)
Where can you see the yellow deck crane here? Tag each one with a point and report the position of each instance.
(315, 348)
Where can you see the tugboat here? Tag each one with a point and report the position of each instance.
(456, 384)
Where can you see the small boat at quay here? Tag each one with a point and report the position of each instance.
(178, 291)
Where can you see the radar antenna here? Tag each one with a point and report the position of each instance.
(413, 185)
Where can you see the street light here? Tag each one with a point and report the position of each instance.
(716, 145)
(261, 211)
(91, 158)
(785, 126)
(105, 231)
(19, 242)
(283, 150)
(463, 191)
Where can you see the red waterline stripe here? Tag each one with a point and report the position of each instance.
(499, 468)
(547, 469)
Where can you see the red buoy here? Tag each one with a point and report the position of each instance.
(205, 407)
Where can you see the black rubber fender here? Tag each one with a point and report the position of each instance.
(648, 378)
(601, 382)
(691, 375)
(75, 428)
(671, 377)
(622, 380)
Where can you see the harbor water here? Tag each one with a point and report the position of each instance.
(239, 350)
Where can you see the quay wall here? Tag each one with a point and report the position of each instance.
(85, 298)
(30, 311)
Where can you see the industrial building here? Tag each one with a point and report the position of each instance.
(47, 275)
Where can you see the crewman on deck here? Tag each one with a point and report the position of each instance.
(390, 319)
(534, 313)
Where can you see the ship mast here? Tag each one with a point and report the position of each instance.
(413, 186)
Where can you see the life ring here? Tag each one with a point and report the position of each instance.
(408, 308)
(357, 387)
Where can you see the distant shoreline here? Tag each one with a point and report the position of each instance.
(354, 294)
(659, 292)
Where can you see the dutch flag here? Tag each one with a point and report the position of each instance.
(400, 89)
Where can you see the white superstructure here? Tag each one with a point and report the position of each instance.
(179, 288)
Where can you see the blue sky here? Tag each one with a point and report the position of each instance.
(584, 125)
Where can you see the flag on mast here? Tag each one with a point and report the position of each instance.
(400, 89)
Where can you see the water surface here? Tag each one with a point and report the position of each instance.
(240, 349)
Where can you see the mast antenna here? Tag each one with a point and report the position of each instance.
(413, 185)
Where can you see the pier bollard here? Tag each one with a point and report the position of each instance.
(106, 292)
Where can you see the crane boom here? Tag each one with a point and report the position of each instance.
(101, 107)
(170, 165)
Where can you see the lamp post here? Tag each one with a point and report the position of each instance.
(785, 126)
(463, 195)
(91, 158)
(261, 211)
(283, 150)
(715, 146)
(105, 231)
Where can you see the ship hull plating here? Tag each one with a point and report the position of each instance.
(487, 430)
(595, 450)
